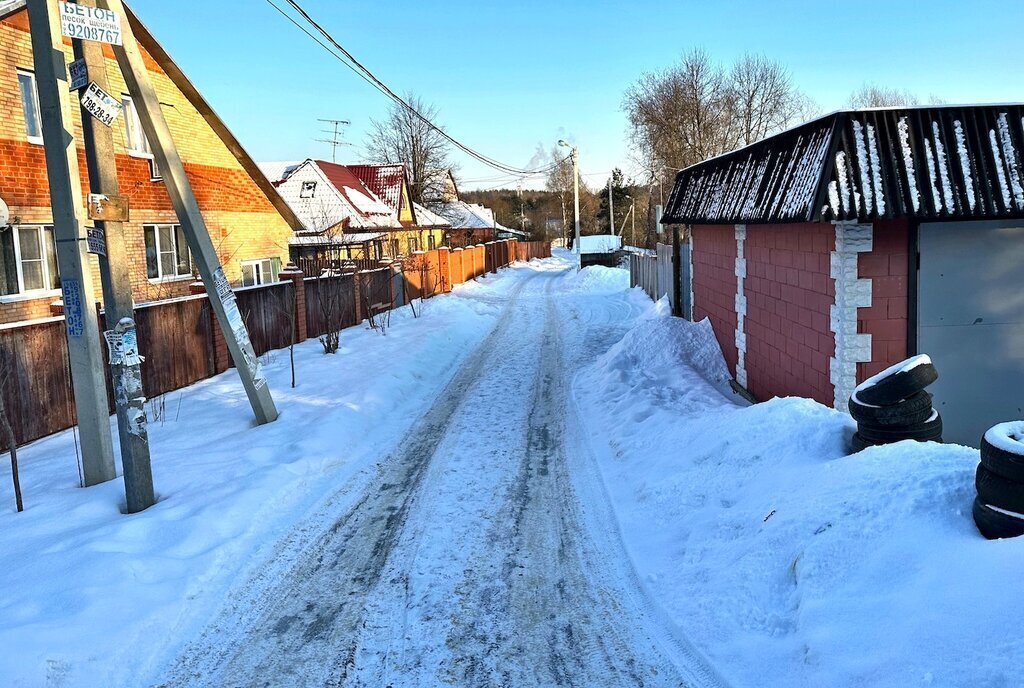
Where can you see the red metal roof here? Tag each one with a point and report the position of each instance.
(344, 180)
(384, 180)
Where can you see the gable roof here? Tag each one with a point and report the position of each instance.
(278, 171)
(386, 181)
(428, 218)
(338, 198)
(925, 163)
(148, 43)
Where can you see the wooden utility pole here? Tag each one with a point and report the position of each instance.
(117, 288)
(222, 298)
(88, 372)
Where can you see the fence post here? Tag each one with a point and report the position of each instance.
(357, 295)
(293, 274)
(444, 266)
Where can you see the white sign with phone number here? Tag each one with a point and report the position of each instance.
(100, 104)
(89, 23)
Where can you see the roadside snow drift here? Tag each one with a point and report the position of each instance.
(786, 561)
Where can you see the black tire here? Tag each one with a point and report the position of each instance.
(929, 431)
(998, 491)
(995, 525)
(858, 443)
(898, 386)
(1001, 462)
(915, 409)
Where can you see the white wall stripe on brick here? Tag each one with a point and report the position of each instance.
(741, 307)
(852, 293)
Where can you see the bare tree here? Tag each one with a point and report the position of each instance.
(404, 137)
(560, 181)
(871, 95)
(697, 109)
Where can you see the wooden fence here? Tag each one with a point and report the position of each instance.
(182, 343)
(652, 272)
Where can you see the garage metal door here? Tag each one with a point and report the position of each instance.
(971, 322)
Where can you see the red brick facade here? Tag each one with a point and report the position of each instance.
(714, 284)
(887, 265)
(243, 223)
(789, 294)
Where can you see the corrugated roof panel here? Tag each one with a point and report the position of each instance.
(923, 162)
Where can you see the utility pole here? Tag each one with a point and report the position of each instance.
(574, 153)
(117, 289)
(335, 139)
(221, 296)
(88, 372)
(611, 203)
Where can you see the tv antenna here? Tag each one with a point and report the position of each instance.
(337, 134)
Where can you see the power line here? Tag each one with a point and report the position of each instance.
(355, 66)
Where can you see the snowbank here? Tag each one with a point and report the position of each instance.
(92, 597)
(597, 280)
(786, 561)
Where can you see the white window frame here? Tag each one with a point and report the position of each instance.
(311, 186)
(161, 277)
(38, 140)
(23, 293)
(133, 130)
(262, 274)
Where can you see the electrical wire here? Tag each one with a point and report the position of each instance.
(347, 59)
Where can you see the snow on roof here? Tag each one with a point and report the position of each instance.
(463, 215)
(325, 194)
(384, 180)
(926, 163)
(427, 218)
(335, 240)
(600, 243)
(276, 171)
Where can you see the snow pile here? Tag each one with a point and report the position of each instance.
(784, 560)
(84, 586)
(597, 279)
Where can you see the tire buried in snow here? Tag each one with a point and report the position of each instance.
(994, 524)
(998, 491)
(928, 431)
(1000, 459)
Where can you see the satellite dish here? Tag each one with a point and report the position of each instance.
(5, 214)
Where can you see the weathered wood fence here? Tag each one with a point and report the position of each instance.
(652, 272)
(182, 343)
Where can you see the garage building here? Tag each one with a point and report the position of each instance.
(830, 251)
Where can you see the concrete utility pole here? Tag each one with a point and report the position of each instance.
(117, 288)
(88, 372)
(222, 298)
(611, 203)
(574, 153)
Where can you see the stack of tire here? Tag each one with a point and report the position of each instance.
(894, 406)
(999, 506)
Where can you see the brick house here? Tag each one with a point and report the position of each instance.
(828, 252)
(248, 221)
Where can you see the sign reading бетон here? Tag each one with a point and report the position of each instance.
(89, 23)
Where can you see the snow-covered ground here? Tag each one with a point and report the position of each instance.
(544, 480)
(786, 561)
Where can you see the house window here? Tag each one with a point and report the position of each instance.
(167, 255)
(136, 141)
(308, 190)
(28, 258)
(260, 271)
(395, 250)
(431, 241)
(30, 106)
(414, 244)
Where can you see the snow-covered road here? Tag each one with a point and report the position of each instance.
(469, 560)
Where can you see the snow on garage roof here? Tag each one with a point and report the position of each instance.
(600, 243)
(926, 163)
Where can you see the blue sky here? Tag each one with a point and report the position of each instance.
(509, 77)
